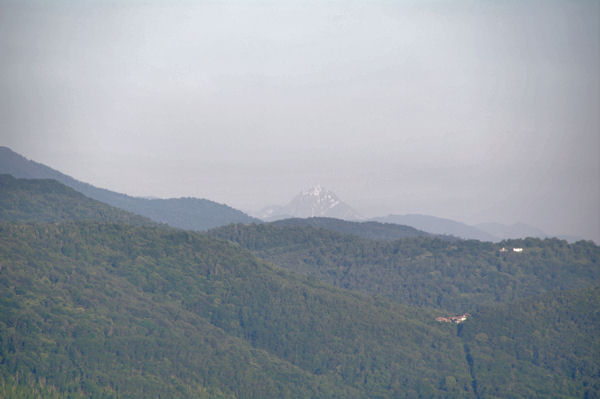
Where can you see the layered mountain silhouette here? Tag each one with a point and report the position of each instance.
(48, 201)
(186, 213)
(517, 230)
(318, 202)
(96, 302)
(492, 231)
(202, 214)
(437, 225)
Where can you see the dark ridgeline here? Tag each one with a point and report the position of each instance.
(47, 200)
(186, 213)
(437, 225)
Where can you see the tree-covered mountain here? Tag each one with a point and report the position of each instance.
(113, 310)
(546, 346)
(98, 303)
(370, 230)
(47, 200)
(425, 271)
(186, 213)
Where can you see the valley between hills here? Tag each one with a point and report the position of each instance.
(103, 295)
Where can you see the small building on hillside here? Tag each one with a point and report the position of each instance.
(517, 250)
(453, 319)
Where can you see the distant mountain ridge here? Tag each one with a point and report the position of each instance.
(314, 202)
(437, 225)
(202, 214)
(318, 202)
(516, 230)
(494, 232)
(186, 213)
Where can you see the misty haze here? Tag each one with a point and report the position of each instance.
(228, 199)
(472, 112)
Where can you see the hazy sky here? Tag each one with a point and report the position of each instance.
(472, 110)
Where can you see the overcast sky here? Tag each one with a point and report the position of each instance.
(471, 110)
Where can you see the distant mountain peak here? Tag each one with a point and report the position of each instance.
(314, 191)
(316, 201)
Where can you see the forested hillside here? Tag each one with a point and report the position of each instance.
(370, 230)
(137, 311)
(425, 271)
(99, 303)
(546, 346)
(46, 200)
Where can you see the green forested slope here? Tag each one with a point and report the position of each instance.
(127, 311)
(370, 230)
(425, 271)
(46, 200)
(546, 346)
(135, 310)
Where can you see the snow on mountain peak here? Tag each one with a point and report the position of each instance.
(314, 191)
(316, 201)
